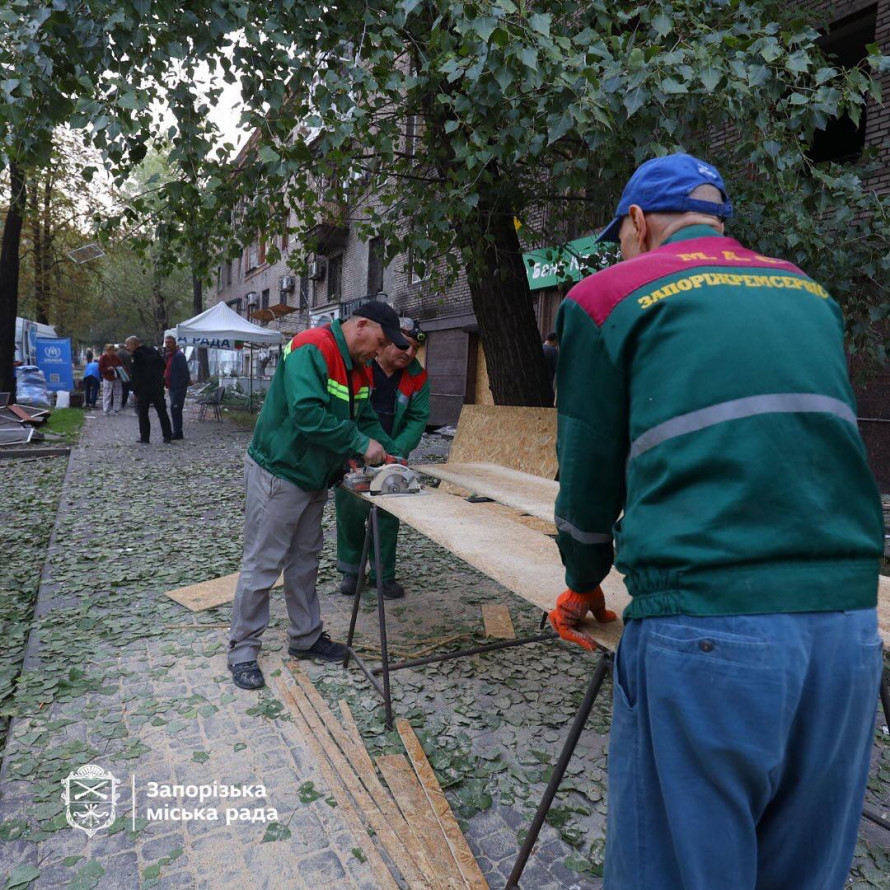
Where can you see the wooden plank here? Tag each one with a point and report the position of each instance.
(376, 809)
(344, 803)
(498, 622)
(884, 608)
(466, 861)
(410, 797)
(395, 816)
(531, 494)
(519, 438)
(210, 594)
(524, 561)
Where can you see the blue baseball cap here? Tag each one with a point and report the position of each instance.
(663, 185)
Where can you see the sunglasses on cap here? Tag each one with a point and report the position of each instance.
(410, 328)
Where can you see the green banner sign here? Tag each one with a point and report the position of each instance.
(563, 264)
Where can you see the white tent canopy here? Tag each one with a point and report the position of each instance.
(220, 327)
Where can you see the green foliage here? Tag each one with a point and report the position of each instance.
(494, 107)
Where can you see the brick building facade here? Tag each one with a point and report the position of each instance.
(346, 270)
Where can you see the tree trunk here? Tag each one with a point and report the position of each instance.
(502, 302)
(9, 278)
(160, 312)
(39, 248)
(197, 308)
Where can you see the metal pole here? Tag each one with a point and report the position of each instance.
(381, 617)
(359, 585)
(565, 756)
(463, 653)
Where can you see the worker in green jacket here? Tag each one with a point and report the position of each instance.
(708, 443)
(401, 398)
(316, 415)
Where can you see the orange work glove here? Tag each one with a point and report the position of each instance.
(572, 607)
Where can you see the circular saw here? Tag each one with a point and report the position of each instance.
(391, 477)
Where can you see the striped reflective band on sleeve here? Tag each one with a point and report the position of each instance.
(363, 393)
(338, 390)
(774, 403)
(582, 537)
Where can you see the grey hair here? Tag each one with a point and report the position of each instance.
(133, 339)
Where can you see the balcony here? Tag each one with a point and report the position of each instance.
(331, 228)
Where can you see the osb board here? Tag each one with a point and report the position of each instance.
(411, 799)
(461, 851)
(524, 561)
(520, 438)
(483, 386)
(884, 608)
(532, 494)
(498, 623)
(209, 594)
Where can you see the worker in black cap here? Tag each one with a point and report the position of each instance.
(317, 413)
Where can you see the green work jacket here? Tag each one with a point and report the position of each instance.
(317, 412)
(704, 395)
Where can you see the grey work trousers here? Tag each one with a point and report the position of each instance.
(282, 530)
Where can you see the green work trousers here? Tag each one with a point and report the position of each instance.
(352, 515)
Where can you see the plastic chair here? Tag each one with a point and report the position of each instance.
(214, 400)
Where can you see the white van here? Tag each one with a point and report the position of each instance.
(26, 334)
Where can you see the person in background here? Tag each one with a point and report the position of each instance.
(147, 384)
(127, 362)
(401, 400)
(551, 358)
(177, 379)
(92, 379)
(111, 384)
(707, 426)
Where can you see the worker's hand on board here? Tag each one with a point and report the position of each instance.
(572, 608)
(375, 453)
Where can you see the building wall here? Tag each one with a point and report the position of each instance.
(455, 360)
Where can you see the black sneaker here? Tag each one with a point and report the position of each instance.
(143, 442)
(348, 585)
(247, 675)
(168, 440)
(324, 649)
(392, 590)
(177, 437)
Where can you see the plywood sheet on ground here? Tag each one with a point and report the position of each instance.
(498, 623)
(457, 843)
(524, 561)
(209, 594)
(520, 438)
(524, 491)
(411, 799)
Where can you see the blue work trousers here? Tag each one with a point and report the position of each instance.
(739, 750)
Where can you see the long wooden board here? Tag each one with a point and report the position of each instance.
(463, 855)
(210, 594)
(525, 561)
(331, 734)
(523, 491)
(410, 797)
(384, 877)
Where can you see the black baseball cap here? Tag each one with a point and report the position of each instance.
(386, 317)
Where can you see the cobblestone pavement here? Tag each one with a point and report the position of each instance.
(119, 675)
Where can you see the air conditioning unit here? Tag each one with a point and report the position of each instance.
(287, 283)
(316, 269)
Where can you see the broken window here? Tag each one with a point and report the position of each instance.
(845, 44)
